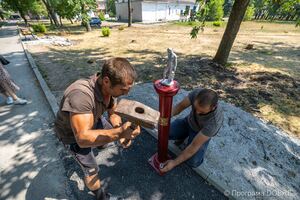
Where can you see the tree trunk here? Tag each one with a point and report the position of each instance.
(51, 12)
(85, 18)
(235, 19)
(22, 14)
(71, 21)
(129, 13)
(24, 18)
(61, 24)
(51, 21)
(87, 26)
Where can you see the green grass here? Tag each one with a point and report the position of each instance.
(275, 22)
(191, 24)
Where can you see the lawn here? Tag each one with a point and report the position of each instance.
(263, 80)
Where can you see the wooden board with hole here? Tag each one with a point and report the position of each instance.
(137, 113)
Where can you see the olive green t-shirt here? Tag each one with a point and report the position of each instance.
(83, 96)
(210, 123)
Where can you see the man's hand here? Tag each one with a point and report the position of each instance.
(128, 132)
(125, 143)
(168, 165)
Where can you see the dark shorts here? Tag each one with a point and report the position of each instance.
(85, 156)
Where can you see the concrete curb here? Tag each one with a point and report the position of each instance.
(47, 92)
(50, 99)
(173, 148)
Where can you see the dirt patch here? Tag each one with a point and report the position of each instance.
(263, 80)
(271, 95)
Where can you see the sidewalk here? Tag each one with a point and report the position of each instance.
(30, 166)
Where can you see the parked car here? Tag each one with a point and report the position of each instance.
(95, 21)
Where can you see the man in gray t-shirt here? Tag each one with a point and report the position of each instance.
(202, 123)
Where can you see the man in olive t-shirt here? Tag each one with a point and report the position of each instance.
(202, 123)
(79, 122)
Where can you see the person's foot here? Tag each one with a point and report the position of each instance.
(20, 101)
(9, 101)
(101, 194)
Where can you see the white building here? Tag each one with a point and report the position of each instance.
(153, 10)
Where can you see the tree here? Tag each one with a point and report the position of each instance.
(232, 28)
(3, 14)
(249, 13)
(215, 8)
(227, 7)
(86, 7)
(38, 9)
(111, 8)
(129, 13)
(50, 5)
(21, 6)
(68, 9)
(276, 9)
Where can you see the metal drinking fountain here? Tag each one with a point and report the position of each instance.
(166, 88)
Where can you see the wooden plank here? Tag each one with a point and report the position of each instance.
(138, 113)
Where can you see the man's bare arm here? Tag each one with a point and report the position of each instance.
(181, 106)
(114, 119)
(82, 125)
(190, 150)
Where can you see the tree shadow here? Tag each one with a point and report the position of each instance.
(246, 89)
(26, 137)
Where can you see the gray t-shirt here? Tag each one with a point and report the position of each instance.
(209, 124)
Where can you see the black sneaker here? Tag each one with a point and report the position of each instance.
(101, 194)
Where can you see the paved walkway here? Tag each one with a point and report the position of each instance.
(30, 167)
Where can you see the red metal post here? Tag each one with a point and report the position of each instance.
(166, 94)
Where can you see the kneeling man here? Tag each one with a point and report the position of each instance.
(202, 123)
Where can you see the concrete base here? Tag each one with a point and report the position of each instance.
(248, 159)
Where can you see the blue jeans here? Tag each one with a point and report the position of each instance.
(180, 130)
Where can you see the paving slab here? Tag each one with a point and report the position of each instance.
(249, 158)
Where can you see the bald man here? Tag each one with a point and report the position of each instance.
(203, 122)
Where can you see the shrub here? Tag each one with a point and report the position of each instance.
(121, 28)
(215, 10)
(249, 13)
(39, 28)
(112, 14)
(102, 16)
(105, 31)
(217, 23)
